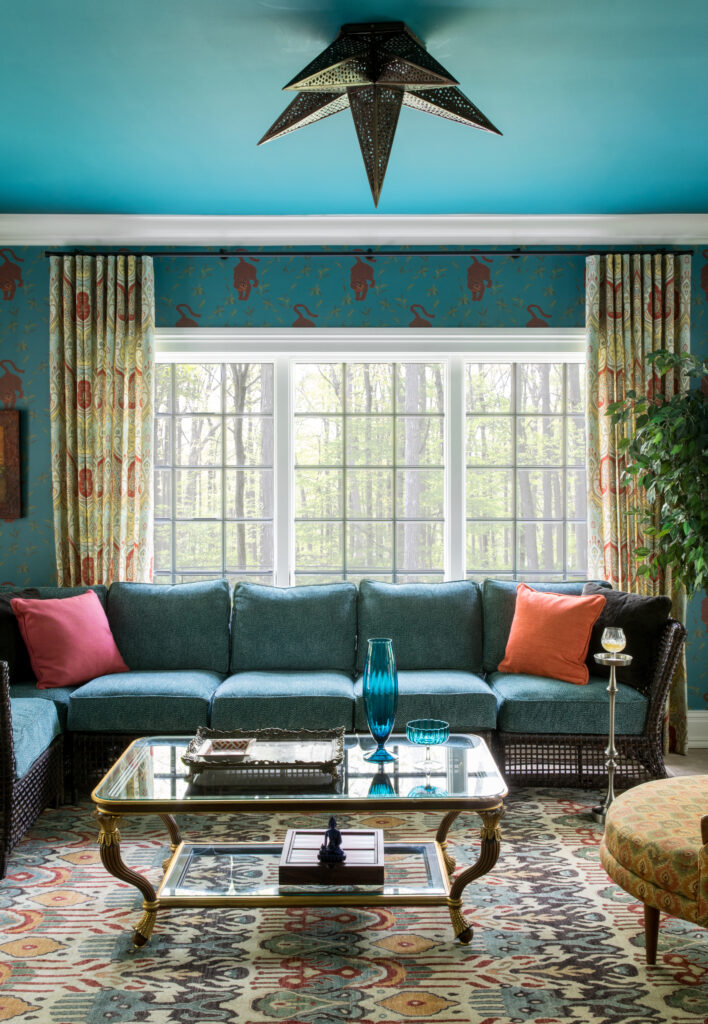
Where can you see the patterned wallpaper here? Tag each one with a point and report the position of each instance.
(332, 291)
(356, 291)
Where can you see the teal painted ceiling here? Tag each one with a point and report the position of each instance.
(155, 106)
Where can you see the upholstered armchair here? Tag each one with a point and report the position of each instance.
(656, 848)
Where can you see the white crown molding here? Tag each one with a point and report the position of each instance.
(697, 728)
(379, 229)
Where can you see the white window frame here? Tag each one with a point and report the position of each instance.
(452, 347)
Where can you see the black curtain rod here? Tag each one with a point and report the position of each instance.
(231, 254)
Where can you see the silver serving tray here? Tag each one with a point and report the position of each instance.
(618, 658)
(267, 751)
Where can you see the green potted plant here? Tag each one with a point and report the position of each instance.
(666, 446)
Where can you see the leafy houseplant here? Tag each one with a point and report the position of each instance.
(667, 455)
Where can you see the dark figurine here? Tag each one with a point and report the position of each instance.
(331, 851)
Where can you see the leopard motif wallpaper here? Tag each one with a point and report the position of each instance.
(366, 289)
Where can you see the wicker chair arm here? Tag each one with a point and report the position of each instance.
(670, 646)
(7, 746)
(7, 753)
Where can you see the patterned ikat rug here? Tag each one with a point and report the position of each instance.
(554, 941)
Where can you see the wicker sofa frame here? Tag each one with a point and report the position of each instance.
(23, 800)
(528, 759)
(93, 754)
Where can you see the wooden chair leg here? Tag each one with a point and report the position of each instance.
(651, 932)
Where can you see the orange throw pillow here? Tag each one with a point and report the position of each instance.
(550, 634)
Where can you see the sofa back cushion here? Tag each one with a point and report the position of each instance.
(185, 626)
(499, 597)
(643, 620)
(56, 593)
(12, 644)
(295, 628)
(432, 625)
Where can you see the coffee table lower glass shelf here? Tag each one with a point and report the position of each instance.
(233, 874)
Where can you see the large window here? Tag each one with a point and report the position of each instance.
(294, 469)
(214, 472)
(369, 471)
(525, 470)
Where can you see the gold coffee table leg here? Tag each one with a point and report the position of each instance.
(144, 927)
(441, 837)
(490, 836)
(175, 837)
(109, 848)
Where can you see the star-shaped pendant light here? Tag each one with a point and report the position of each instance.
(373, 69)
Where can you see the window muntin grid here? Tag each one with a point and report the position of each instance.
(214, 472)
(525, 475)
(453, 457)
(369, 471)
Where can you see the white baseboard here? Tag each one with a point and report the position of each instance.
(697, 728)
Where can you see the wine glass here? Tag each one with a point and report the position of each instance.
(613, 640)
(427, 732)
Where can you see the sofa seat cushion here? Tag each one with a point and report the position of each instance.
(462, 699)
(293, 629)
(35, 723)
(432, 625)
(284, 700)
(58, 695)
(159, 627)
(535, 704)
(144, 702)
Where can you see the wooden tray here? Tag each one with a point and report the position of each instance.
(220, 751)
(364, 864)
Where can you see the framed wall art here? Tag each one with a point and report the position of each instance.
(10, 503)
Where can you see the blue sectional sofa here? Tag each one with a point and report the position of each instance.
(262, 656)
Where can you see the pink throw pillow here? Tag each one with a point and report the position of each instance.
(68, 639)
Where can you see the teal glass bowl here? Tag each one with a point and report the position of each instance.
(428, 732)
(423, 791)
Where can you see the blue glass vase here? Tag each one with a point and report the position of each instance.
(381, 785)
(380, 695)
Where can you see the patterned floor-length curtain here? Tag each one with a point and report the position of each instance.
(101, 358)
(635, 304)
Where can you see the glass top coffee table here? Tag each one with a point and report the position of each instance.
(150, 778)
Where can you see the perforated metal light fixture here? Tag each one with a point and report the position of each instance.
(373, 70)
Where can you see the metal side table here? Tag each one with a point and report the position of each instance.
(615, 661)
